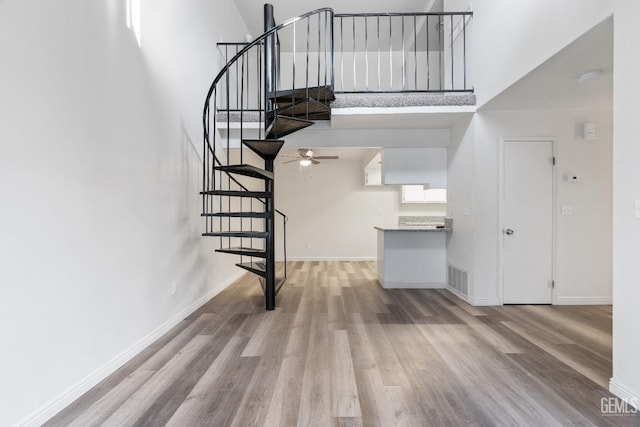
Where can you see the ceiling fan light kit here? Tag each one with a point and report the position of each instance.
(306, 157)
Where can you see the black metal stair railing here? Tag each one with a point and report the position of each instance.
(244, 110)
(402, 52)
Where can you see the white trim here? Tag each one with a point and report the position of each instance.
(481, 302)
(411, 285)
(430, 109)
(289, 258)
(624, 393)
(459, 294)
(64, 399)
(583, 301)
(554, 229)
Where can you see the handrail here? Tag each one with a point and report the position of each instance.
(369, 15)
(249, 46)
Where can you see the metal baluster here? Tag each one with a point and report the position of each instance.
(390, 54)
(404, 59)
(333, 59)
(207, 157)
(366, 55)
(318, 56)
(241, 145)
(259, 95)
(452, 85)
(341, 55)
(205, 170)
(226, 61)
(228, 117)
(426, 26)
(326, 44)
(293, 83)
(237, 85)
(242, 110)
(248, 77)
(464, 49)
(307, 72)
(229, 181)
(415, 54)
(440, 49)
(355, 84)
(275, 65)
(378, 55)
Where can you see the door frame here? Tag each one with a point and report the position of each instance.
(501, 203)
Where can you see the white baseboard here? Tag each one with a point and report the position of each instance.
(328, 259)
(57, 404)
(482, 302)
(459, 294)
(583, 301)
(624, 393)
(411, 285)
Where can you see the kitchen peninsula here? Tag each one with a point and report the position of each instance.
(413, 254)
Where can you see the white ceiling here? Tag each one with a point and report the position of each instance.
(252, 11)
(554, 84)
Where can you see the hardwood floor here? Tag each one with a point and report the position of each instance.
(341, 351)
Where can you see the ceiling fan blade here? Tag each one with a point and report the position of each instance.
(315, 162)
(289, 161)
(292, 157)
(326, 157)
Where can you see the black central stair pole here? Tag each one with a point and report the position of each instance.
(270, 82)
(270, 282)
(269, 65)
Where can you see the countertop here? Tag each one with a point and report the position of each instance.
(420, 228)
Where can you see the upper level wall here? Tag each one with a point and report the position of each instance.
(511, 38)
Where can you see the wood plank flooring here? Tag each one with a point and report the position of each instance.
(341, 351)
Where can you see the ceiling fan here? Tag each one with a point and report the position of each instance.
(307, 156)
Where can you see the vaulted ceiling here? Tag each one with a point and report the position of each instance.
(555, 84)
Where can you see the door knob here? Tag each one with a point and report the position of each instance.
(508, 232)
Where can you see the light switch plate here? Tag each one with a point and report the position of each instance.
(567, 210)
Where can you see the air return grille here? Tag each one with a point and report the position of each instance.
(458, 280)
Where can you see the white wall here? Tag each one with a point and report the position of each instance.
(329, 207)
(460, 188)
(99, 180)
(626, 228)
(583, 240)
(511, 38)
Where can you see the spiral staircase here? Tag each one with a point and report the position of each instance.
(238, 197)
(264, 93)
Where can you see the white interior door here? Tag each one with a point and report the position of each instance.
(528, 222)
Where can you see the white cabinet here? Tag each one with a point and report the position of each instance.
(373, 171)
(415, 166)
(372, 177)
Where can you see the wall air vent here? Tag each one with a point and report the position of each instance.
(458, 279)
